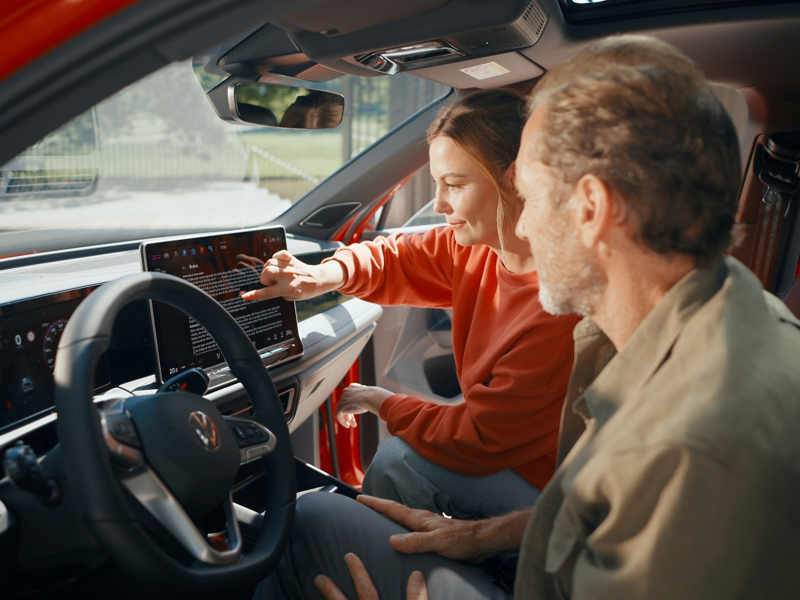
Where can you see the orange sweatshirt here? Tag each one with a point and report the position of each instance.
(513, 360)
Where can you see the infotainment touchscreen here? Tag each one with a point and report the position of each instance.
(222, 265)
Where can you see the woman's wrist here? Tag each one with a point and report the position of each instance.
(379, 396)
(333, 275)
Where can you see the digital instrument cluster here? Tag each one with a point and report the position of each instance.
(29, 335)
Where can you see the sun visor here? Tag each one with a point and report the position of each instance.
(271, 50)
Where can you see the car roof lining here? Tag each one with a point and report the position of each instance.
(712, 37)
(736, 47)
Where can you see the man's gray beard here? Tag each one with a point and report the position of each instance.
(577, 294)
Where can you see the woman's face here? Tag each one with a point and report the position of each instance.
(464, 195)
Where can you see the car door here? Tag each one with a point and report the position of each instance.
(414, 346)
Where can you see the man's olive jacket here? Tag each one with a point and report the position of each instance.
(679, 456)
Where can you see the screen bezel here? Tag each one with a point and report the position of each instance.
(220, 374)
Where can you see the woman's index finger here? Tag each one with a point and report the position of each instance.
(283, 256)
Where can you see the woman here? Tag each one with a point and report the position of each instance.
(493, 453)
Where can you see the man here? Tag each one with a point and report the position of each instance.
(678, 472)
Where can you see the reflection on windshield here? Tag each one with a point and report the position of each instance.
(155, 160)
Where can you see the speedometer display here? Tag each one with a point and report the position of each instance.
(50, 344)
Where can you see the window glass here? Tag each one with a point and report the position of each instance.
(426, 216)
(154, 159)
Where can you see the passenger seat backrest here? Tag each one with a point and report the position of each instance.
(792, 298)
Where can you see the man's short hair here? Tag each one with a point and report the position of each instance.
(638, 114)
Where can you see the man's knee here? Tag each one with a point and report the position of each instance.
(313, 525)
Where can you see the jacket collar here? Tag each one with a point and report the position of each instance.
(628, 370)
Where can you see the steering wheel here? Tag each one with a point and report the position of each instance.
(173, 452)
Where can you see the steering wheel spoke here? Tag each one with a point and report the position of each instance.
(214, 548)
(253, 438)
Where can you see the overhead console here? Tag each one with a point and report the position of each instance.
(521, 33)
(322, 41)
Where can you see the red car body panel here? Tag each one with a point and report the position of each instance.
(32, 28)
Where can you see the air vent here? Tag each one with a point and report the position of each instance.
(330, 216)
(286, 396)
(522, 33)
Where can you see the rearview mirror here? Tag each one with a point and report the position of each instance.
(276, 105)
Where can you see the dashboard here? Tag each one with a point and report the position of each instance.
(37, 299)
(38, 295)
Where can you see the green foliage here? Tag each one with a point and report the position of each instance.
(169, 105)
(76, 138)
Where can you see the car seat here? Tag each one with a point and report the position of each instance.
(792, 297)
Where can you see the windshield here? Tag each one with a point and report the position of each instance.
(155, 160)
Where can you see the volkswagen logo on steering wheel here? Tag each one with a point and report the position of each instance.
(205, 429)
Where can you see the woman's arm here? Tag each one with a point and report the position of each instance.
(415, 270)
(402, 269)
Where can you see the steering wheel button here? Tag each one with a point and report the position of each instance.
(256, 451)
(247, 431)
(123, 430)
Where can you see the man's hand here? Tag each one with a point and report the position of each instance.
(470, 541)
(365, 589)
(430, 532)
(357, 399)
(284, 275)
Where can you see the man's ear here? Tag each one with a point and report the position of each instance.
(596, 209)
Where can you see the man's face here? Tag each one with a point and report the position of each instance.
(570, 278)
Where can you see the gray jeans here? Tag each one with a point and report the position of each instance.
(328, 526)
(398, 473)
